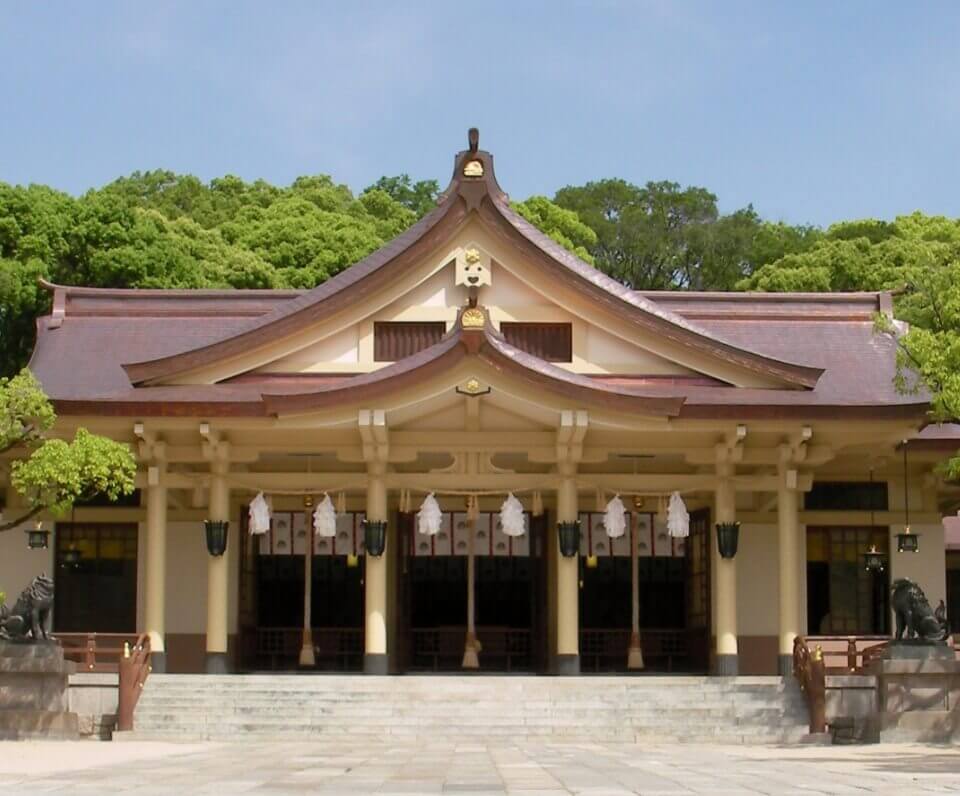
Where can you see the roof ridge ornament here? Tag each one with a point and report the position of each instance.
(473, 139)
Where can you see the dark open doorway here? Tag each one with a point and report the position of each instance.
(510, 597)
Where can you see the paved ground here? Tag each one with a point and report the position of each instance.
(88, 767)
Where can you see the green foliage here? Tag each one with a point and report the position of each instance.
(25, 412)
(52, 473)
(59, 473)
(661, 236)
(561, 225)
(418, 197)
(157, 229)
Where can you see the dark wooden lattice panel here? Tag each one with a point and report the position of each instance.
(396, 340)
(550, 341)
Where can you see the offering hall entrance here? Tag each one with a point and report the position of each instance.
(510, 595)
(272, 594)
(673, 591)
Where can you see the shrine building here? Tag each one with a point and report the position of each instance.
(755, 441)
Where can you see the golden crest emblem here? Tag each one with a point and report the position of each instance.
(472, 318)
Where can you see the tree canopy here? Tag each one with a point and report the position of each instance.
(49, 473)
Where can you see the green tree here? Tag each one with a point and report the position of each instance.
(53, 474)
(561, 225)
(419, 197)
(661, 236)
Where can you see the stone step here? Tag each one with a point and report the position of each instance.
(791, 736)
(467, 708)
(454, 711)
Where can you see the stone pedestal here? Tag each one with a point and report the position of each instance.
(34, 679)
(918, 693)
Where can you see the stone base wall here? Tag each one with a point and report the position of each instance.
(94, 697)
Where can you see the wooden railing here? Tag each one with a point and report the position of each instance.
(96, 652)
(278, 648)
(134, 669)
(808, 668)
(848, 654)
(605, 649)
(502, 648)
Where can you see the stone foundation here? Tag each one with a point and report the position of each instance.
(33, 692)
(918, 691)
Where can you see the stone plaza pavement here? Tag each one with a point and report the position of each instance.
(90, 767)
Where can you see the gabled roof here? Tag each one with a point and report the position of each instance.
(489, 347)
(465, 196)
(81, 349)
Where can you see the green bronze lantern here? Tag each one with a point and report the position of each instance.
(374, 537)
(569, 536)
(216, 536)
(728, 538)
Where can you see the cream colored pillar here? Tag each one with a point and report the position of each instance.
(156, 566)
(725, 570)
(568, 580)
(788, 545)
(218, 575)
(375, 660)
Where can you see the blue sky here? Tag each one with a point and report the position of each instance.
(812, 111)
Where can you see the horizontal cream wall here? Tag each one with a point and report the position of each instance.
(187, 558)
(927, 567)
(757, 578)
(18, 563)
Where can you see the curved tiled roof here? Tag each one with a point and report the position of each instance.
(463, 196)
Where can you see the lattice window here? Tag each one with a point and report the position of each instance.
(550, 341)
(395, 340)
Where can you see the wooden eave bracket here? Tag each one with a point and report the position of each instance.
(570, 435)
(372, 424)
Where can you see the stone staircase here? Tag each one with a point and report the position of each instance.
(494, 709)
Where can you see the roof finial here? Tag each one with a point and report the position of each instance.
(473, 137)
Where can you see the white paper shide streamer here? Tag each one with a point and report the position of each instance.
(429, 517)
(259, 515)
(325, 518)
(614, 518)
(511, 516)
(678, 519)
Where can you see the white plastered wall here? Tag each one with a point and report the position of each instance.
(18, 563)
(928, 566)
(757, 581)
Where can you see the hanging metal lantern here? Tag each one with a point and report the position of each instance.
(38, 538)
(374, 537)
(72, 556)
(873, 560)
(569, 534)
(728, 538)
(908, 542)
(216, 536)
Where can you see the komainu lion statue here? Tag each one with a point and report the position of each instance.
(31, 614)
(914, 615)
